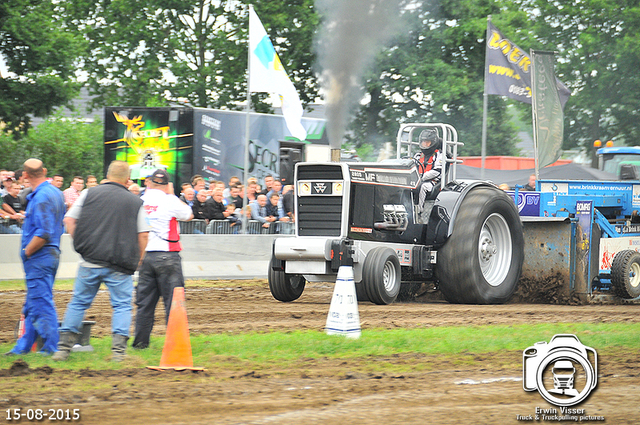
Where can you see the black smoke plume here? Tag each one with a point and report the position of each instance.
(352, 33)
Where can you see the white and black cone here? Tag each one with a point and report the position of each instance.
(343, 318)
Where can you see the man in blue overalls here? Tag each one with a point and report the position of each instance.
(40, 255)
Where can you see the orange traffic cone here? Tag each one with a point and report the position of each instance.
(176, 353)
(22, 330)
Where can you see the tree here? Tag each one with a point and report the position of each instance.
(188, 51)
(434, 72)
(127, 48)
(40, 54)
(598, 58)
(69, 147)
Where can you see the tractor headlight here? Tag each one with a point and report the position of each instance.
(304, 188)
(337, 188)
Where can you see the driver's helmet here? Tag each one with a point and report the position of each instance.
(428, 139)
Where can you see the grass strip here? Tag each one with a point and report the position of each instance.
(265, 350)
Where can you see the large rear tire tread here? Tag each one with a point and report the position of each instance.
(625, 274)
(486, 213)
(381, 266)
(285, 287)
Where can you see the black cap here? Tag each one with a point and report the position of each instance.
(160, 176)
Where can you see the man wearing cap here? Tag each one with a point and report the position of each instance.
(110, 231)
(161, 269)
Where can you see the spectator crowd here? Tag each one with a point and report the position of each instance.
(222, 207)
(218, 207)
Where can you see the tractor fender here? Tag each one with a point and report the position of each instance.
(445, 210)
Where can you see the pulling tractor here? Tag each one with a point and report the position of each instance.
(467, 239)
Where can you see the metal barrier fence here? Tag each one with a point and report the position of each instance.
(225, 227)
(10, 227)
(195, 227)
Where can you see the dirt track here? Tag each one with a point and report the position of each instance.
(321, 391)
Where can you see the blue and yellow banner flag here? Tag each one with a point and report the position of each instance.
(509, 70)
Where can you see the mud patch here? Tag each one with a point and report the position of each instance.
(551, 290)
(19, 368)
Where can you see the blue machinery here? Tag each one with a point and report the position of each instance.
(573, 229)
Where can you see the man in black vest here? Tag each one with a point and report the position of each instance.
(110, 232)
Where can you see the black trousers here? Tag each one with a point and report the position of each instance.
(159, 274)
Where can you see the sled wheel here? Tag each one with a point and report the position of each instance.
(625, 274)
(381, 275)
(481, 261)
(285, 287)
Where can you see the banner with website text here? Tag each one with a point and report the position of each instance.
(509, 69)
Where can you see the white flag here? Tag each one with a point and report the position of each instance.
(268, 75)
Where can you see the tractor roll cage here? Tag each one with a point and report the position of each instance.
(407, 145)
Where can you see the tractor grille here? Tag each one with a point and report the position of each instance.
(319, 172)
(319, 215)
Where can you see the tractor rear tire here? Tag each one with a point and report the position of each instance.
(381, 275)
(285, 287)
(625, 274)
(481, 261)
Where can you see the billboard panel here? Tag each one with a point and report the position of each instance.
(150, 138)
(188, 141)
(220, 138)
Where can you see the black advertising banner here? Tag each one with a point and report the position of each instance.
(219, 142)
(220, 139)
(509, 69)
(548, 119)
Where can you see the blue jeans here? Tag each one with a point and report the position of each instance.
(40, 317)
(86, 287)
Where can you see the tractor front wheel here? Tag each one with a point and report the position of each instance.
(285, 287)
(381, 275)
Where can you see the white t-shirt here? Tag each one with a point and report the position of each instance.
(163, 212)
